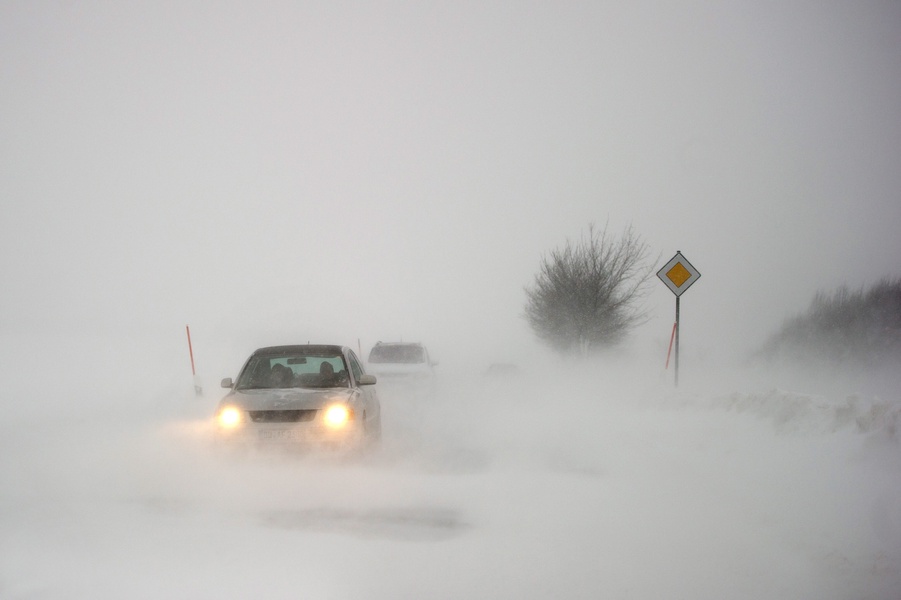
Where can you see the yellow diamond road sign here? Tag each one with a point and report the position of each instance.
(678, 274)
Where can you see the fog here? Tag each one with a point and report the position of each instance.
(345, 173)
(343, 170)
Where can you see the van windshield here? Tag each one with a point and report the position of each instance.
(397, 353)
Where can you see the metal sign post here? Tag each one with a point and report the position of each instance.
(678, 275)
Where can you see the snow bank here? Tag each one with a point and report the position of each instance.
(804, 413)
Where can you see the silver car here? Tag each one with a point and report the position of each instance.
(309, 395)
(403, 366)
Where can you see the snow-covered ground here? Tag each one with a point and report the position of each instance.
(595, 483)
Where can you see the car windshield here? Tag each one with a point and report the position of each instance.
(294, 371)
(397, 353)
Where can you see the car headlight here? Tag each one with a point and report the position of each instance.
(230, 417)
(337, 416)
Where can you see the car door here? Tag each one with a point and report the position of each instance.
(367, 392)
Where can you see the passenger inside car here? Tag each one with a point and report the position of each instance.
(281, 376)
(327, 374)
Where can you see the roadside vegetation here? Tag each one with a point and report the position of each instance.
(845, 327)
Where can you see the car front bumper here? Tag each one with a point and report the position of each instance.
(288, 436)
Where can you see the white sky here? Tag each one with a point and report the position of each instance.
(340, 170)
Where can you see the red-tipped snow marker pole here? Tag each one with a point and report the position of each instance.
(671, 338)
(198, 390)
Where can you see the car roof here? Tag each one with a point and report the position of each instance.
(300, 349)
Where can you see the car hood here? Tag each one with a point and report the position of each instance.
(286, 399)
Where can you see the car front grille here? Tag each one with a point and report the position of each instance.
(282, 416)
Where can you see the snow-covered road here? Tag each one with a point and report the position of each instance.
(492, 490)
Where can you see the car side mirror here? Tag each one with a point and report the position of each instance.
(367, 380)
(226, 383)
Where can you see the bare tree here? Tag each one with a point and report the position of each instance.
(586, 295)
